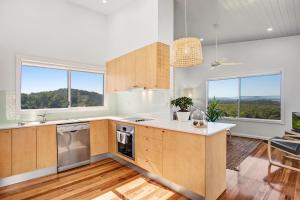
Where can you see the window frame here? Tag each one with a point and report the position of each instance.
(62, 65)
(239, 77)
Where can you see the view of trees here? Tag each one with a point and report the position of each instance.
(258, 108)
(59, 99)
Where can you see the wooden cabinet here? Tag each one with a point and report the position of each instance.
(23, 150)
(46, 146)
(99, 137)
(149, 148)
(215, 164)
(112, 145)
(184, 160)
(147, 67)
(5, 153)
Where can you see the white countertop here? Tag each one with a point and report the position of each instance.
(174, 125)
(212, 128)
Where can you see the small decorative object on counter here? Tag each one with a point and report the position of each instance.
(184, 103)
(198, 118)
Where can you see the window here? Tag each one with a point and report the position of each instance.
(43, 88)
(49, 88)
(85, 89)
(252, 97)
(227, 93)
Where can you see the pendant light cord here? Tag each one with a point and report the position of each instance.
(185, 19)
(216, 26)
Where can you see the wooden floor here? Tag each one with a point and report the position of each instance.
(257, 180)
(104, 180)
(109, 180)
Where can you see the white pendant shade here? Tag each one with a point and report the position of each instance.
(186, 52)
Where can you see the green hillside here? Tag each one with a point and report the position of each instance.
(59, 99)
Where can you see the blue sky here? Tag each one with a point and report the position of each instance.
(250, 86)
(35, 79)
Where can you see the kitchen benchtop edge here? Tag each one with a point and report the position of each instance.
(187, 127)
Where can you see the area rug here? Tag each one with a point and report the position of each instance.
(238, 149)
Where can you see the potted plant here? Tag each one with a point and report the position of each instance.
(184, 103)
(213, 113)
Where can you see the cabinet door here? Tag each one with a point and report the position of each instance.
(145, 67)
(5, 153)
(111, 76)
(163, 66)
(112, 144)
(23, 150)
(46, 146)
(99, 137)
(184, 160)
(129, 71)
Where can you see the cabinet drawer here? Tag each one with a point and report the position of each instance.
(143, 142)
(150, 154)
(149, 165)
(149, 132)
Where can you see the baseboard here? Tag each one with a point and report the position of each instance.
(249, 136)
(27, 176)
(100, 157)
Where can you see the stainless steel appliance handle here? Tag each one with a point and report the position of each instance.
(70, 139)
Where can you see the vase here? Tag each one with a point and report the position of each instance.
(183, 116)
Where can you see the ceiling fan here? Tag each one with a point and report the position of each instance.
(220, 62)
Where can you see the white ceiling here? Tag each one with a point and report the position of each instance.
(97, 5)
(239, 20)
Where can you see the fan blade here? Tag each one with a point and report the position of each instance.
(223, 59)
(231, 64)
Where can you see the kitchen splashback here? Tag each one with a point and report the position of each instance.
(143, 101)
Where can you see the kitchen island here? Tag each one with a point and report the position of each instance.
(193, 158)
(182, 157)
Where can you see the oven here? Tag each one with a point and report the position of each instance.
(125, 140)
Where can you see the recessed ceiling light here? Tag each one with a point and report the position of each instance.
(104, 1)
(270, 29)
(201, 39)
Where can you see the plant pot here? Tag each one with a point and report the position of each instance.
(183, 116)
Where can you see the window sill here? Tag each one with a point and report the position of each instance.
(266, 121)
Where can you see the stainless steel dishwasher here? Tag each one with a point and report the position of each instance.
(73, 145)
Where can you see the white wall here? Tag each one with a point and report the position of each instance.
(133, 26)
(136, 25)
(262, 56)
(51, 29)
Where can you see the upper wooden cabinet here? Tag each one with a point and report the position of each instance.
(147, 68)
(99, 137)
(5, 153)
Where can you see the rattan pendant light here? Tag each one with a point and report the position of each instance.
(187, 51)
